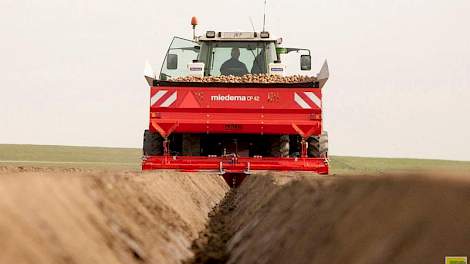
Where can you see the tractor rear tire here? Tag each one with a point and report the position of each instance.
(284, 151)
(318, 146)
(280, 146)
(153, 144)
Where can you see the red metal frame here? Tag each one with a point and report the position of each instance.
(235, 164)
(236, 111)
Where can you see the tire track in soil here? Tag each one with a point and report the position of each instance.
(211, 245)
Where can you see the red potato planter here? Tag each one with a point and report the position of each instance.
(201, 119)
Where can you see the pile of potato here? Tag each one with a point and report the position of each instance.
(248, 78)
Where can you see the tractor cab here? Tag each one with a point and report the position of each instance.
(227, 53)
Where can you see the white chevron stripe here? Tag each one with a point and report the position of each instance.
(301, 101)
(170, 100)
(314, 98)
(157, 97)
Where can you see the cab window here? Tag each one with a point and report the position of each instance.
(179, 54)
(254, 56)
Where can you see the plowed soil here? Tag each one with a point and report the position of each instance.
(74, 216)
(91, 216)
(409, 218)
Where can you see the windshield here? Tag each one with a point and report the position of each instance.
(220, 58)
(237, 58)
(180, 53)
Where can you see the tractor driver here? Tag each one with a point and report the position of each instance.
(233, 66)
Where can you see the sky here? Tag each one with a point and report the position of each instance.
(71, 72)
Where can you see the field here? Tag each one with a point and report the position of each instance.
(93, 205)
(65, 156)
(129, 158)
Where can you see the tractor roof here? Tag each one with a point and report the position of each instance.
(236, 36)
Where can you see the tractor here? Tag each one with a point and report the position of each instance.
(224, 102)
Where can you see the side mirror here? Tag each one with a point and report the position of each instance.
(172, 62)
(305, 62)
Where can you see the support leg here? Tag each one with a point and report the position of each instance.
(304, 144)
(166, 147)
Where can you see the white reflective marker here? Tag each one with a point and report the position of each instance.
(170, 100)
(314, 98)
(157, 97)
(301, 101)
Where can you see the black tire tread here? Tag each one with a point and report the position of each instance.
(318, 145)
(284, 146)
(153, 144)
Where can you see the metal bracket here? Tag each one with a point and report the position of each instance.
(247, 171)
(221, 168)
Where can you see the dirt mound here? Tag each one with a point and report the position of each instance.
(318, 219)
(63, 216)
(86, 216)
